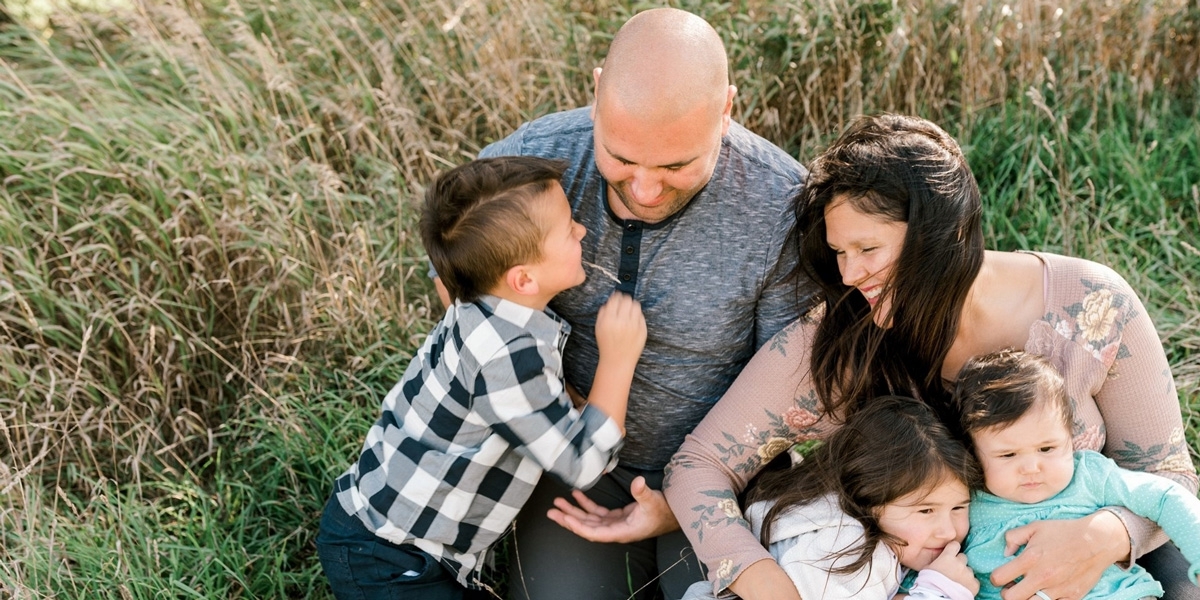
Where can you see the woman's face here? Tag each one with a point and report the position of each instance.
(867, 248)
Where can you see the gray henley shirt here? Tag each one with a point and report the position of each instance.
(711, 278)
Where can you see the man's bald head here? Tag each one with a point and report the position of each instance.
(664, 63)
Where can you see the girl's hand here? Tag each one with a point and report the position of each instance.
(621, 329)
(1062, 558)
(953, 564)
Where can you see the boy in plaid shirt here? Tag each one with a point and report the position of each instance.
(482, 410)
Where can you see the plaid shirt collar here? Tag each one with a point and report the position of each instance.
(543, 324)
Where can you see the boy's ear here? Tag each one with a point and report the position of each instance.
(520, 279)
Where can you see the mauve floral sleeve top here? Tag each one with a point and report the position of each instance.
(1095, 331)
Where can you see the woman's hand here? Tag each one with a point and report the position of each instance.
(648, 516)
(1062, 558)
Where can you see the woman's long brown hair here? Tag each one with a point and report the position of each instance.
(908, 170)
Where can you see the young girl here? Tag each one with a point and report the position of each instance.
(1014, 408)
(887, 493)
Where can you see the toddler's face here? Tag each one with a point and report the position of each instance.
(1029, 460)
(926, 520)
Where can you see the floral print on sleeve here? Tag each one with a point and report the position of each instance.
(759, 446)
(770, 408)
(1096, 322)
(1098, 334)
(720, 508)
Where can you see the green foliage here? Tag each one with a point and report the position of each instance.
(209, 273)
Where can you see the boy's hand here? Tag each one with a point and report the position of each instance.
(621, 328)
(620, 337)
(953, 565)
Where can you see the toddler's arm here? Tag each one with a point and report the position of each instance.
(620, 337)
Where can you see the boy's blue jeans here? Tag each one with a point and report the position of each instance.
(362, 566)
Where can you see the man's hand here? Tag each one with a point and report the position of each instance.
(1062, 558)
(648, 516)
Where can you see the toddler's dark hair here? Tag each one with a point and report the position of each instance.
(997, 388)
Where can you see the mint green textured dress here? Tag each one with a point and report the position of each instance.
(1097, 483)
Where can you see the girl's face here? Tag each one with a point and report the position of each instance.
(1029, 460)
(926, 520)
(867, 247)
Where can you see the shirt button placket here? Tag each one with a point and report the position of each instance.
(631, 244)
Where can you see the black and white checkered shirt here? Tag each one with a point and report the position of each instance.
(479, 415)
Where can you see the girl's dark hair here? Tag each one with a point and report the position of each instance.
(908, 170)
(893, 447)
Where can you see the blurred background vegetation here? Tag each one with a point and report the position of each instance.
(209, 273)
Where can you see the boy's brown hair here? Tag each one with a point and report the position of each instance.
(479, 222)
(998, 388)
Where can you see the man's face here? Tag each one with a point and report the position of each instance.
(655, 169)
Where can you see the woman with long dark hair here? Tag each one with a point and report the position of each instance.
(889, 227)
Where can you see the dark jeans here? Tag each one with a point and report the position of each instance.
(1170, 568)
(362, 566)
(548, 562)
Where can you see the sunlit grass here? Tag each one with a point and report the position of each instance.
(209, 272)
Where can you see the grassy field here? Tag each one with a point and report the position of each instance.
(209, 273)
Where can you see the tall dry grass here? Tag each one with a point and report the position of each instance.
(208, 269)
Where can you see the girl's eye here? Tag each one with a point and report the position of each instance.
(960, 507)
(1047, 448)
(926, 511)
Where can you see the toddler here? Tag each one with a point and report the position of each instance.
(1015, 411)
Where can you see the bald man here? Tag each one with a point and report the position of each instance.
(690, 213)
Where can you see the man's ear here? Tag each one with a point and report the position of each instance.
(520, 279)
(727, 112)
(595, 90)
